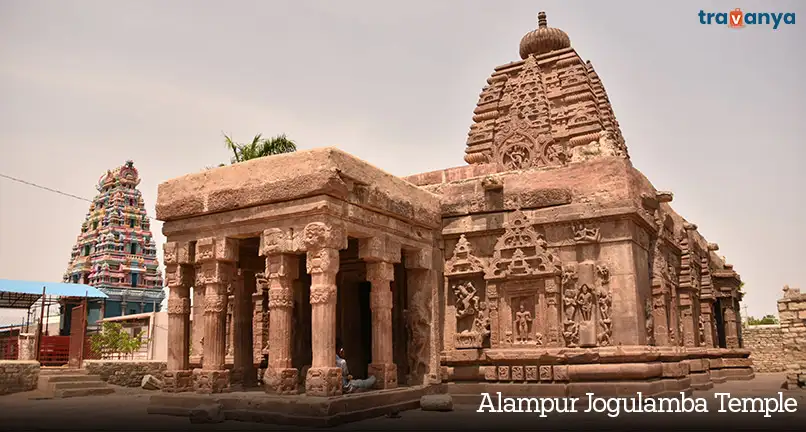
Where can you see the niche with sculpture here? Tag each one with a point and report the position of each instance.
(466, 297)
(586, 294)
(526, 272)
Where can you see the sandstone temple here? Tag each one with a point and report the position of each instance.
(548, 259)
(115, 251)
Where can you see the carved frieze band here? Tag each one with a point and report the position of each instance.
(323, 294)
(281, 298)
(215, 303)
(178, 253)
(216, 249)
(179, 306)
(179, 275)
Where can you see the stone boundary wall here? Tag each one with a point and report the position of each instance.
(18, 376)
(765, 343)
(125, 373)
(792, 313)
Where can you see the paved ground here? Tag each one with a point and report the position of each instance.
(126, 410)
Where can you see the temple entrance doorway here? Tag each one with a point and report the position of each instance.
(353, 314)
(720, 324)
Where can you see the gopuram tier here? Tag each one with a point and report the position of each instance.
(548, 259)
(115, 251)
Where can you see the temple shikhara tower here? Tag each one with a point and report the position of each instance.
(115, 251)
(547, 259)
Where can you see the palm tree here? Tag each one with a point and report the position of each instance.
(259, 147)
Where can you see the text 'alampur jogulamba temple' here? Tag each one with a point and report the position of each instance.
(548, 259)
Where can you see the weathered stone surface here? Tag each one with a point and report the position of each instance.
(324, 171)
(18, 376)
(549, 260)
(207, 413)
(766, 345)
(125, 373)
(443, 402)
(150, 382)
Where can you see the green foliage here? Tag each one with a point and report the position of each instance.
(259, 147)
(768, 319)
(114, 340)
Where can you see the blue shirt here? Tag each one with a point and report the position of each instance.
(342, 363)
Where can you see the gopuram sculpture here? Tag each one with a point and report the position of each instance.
(548, 258)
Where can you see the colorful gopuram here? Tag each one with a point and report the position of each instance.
(115, 251)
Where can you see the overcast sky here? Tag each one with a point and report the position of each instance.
(715, 115)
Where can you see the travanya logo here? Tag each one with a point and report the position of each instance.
(738, 19)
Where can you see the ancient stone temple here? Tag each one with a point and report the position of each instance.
(548, 259)
(115, 251)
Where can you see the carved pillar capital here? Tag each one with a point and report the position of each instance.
(178, 253)
(321, 235)
(419, 259)
(379, 248)
(380, 272)
(323, 261)
(216, 249)
(280, 241)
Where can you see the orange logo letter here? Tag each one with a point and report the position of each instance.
(736, 18)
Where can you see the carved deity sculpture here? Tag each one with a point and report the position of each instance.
(466, 299)
(605, 300)
(570, 302)
(650, 322)
(522, 320)
(584, 233)
(702, 329)
(481, 324)
(585, 302)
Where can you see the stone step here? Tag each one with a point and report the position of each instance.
(72, 378)
(61, 371)
(91, 391)
(76, 385)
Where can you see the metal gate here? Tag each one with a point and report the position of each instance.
(78, 332)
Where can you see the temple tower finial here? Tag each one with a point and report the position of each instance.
(541, 20)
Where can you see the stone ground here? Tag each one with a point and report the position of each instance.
(126, 410)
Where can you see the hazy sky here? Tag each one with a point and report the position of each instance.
(715, 115)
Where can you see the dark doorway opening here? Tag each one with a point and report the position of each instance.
(720, 324)
(400, 328)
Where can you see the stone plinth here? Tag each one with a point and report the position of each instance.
(211, 381)
(18, 376)
(296, 410)
(125, 373)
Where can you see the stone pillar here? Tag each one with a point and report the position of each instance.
(687, 318)
(217, 257)
(731, 325)
(706, 325)
(380, 275)
(322, 242)
(380, 254)
(553, 318)
(242, 353)
(282, 270)
(492, 303)
(179, 274)
(423, 284)
(197, 332)
(27, 346)
(260, 336)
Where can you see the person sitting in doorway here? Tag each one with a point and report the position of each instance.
(350, 385)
